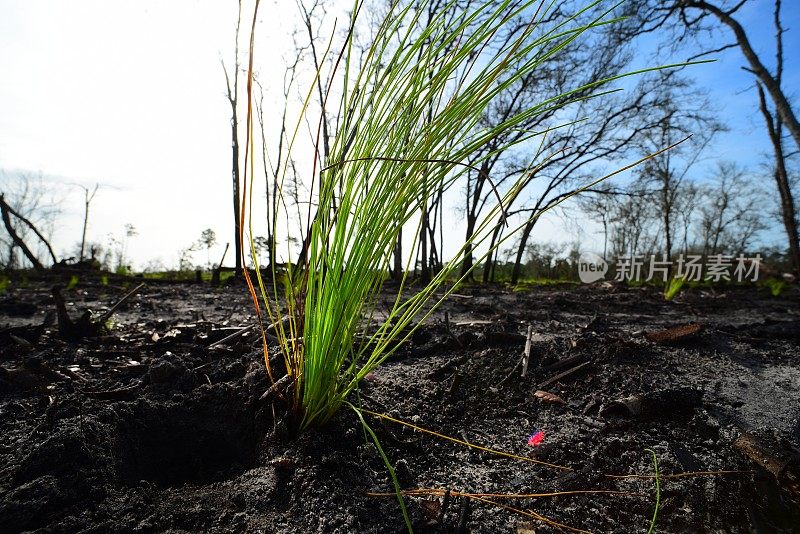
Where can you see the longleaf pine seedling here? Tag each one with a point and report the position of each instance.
(410, 111)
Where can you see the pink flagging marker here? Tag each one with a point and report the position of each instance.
(536, 438)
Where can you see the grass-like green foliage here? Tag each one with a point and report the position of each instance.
(389, 467)
(658, 492)
(775, 286)
(73, 282)
(4, 283)
(409, 118)
(527, 285)
(673, 287)
(185, 276)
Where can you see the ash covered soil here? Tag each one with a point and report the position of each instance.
(145, 428)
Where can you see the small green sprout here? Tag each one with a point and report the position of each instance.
(658, 492)
(673, 287)
(776, 286)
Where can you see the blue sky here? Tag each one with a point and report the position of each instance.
(131, 95)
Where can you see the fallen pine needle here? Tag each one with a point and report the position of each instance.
(433, 492)
(462, 442)
(683, 475)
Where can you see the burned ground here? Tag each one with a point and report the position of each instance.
(147, 428)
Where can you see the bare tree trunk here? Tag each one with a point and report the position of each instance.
(307, 14)
(440, 265)
(667, 208)
(667, 199)
(397, 272)
(236, 195)
(491, 258)
(267, 178)
(774, 128)
(467, 262)
(434, 258)
(233, 97)
(472, 209)
(86, 201)
(523, 241)
(788, 213)
(424, 268)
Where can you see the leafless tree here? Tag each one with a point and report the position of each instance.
(585, 130)
(541, 258)
(685, 207)
(261, 244)
(431, 203)
(724, 214)
(731, 214)
(87, 199)
(611, 132)
(272, 166)
(118, 246)
(682, 115)
(312, 15)
(26, 209)
(232, 94)
(599, 207)
(698, 20)
(775, 121)
(631, 231)
(208, 238)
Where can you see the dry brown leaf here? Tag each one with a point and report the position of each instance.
(675, 333)
(546, 396)
(431, 508)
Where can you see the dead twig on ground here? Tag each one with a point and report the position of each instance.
(777, 463)
(566, 374)
(86, 325)
(450, 331)
(527, 353)
(107, 315)
(231, 337)
(278, 388)
(123, 393)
